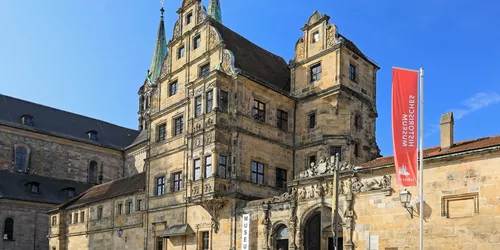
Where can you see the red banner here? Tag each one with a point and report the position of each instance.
(405, 125)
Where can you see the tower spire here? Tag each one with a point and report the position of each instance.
(159, 53)
(214, 10)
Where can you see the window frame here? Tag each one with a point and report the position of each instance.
(196, 41)
(356, 149)
(336, 149)
(100, 211)
(311, 120)
(92, 135)
(223, 103)
(180, 52)
(282, 122)
(160, 183)
(139, 204)
(120, 209)
(209, 101)
(172, 88)
(162, 132)
(34, 188)
(189, 17)
(314, 73)
(178, 125)
(130, 207)
(197, 169)
(259, 110)
(352, 72)
(205, 241)
(53, 220)
(358, 122)
(198, 100)
(207, 166)
(314, 33)
(222, 170)
(82, 216)
(204, 70)
(281, 178)
(257, 173)
(95, 172)
(21, 159)
(312, 158)
(177, 183)
(27, 120)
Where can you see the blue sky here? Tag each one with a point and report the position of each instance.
(90, 57)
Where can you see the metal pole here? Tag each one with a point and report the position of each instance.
(336, 208)
(421, 174)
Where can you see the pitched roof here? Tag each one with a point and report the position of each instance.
(142, 137)
(14, 186)
(111, 189)
(254, 61)
(64, 124)
(350, 45)
(459, 147)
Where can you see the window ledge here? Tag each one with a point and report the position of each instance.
(8, 240)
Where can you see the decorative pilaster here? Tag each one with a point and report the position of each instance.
(267, 224)
(215, 102)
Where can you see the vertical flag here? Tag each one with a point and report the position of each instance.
(405, 125)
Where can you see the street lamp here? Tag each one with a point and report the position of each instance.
(119, 231)
(405, 198)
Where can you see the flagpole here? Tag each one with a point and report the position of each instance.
(421, 174)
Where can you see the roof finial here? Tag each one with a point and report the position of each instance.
(214, 10)
(162, 10)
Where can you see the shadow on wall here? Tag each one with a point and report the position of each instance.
(427, 210)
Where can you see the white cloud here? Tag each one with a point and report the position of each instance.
(479, 101)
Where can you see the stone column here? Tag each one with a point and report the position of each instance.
(193, 106)
(215, 96)
(215, 164)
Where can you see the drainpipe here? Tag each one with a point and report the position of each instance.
(293, 137)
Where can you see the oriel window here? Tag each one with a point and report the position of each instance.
(197, 169)
(259, 111)
(223, 101)
(352, 72)
(222, 166)
(209, 101)
(197, 106)
(208, 166)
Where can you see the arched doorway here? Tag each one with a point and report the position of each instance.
(312, 232)
(281, 238)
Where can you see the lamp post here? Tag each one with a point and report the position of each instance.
(405, 198)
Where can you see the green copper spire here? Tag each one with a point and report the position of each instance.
(159, 53)
(214, 10)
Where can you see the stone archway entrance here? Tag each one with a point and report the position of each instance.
(312, 232)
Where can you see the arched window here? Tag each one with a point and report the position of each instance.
(8, 229)
(281, 237)
(21, 159)
(93, 172)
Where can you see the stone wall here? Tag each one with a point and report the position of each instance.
(461, 210)
(57, 157)
(30, 224)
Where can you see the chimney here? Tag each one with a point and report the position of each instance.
(446, 130)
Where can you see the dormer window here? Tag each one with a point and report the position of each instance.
(92, 135)
(27, 120)
(70, 192)
(34, 187)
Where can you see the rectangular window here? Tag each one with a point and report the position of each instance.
(139, 205)
(197, 106)
(70, 221)
(205, 241)
(257, 172)
(75, 218)
(315, 37)
(222, 166)
(54, 220)
(82, 216)
(352, 72)
(208, 166)
(259, 111)
(196, 42)
(120, 208)
(197, 169)
(316, 72)
(204, 70)
(172, 88)
(312, 120)
(311, 160)
(177, 181)
(180, 52)
(280, 178)
(162, 129)
(358, 124)
(223, 101)
(99, 213)
(179, 125)
(209, 101)
(189, 18)
(334, 150)
(130, 207)
(160, 185)
(282, 120)
(159, 243)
